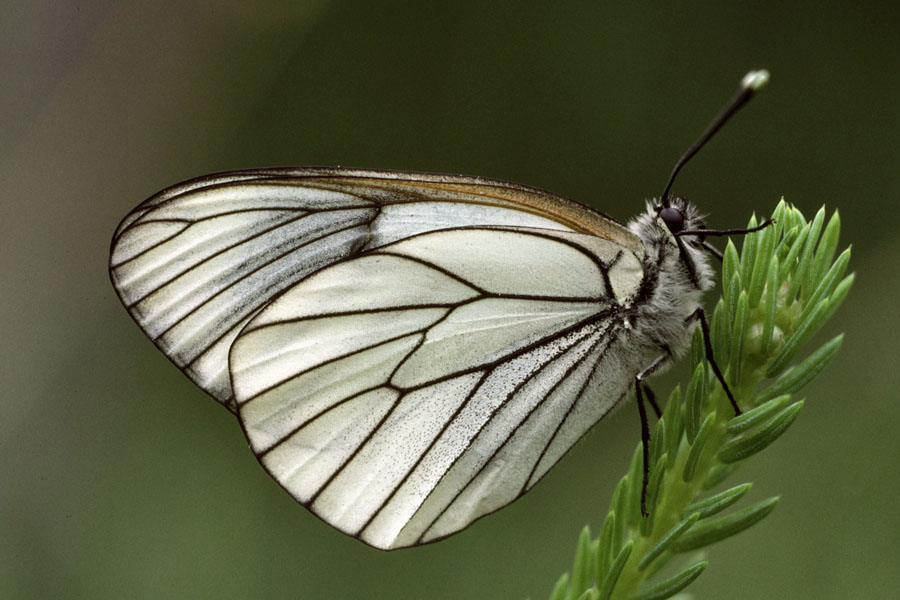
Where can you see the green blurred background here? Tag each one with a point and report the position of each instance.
(121, 479)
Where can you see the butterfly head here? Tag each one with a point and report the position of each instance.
(662, 229)
(670, 222)
(676, 215)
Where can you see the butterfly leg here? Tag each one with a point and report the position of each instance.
(713, 250)
(704, 326)
(651, 398)
(645, 425)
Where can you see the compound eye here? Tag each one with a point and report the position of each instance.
(673, 218)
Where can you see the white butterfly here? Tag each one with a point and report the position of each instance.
(407, 352)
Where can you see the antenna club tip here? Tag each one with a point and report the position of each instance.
(755, 79)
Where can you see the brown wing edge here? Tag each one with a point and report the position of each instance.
(575, 215)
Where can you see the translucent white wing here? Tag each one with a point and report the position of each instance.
(405, 392)
(195, 262)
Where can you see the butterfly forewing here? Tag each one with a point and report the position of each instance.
(195, 262)
(405, 392)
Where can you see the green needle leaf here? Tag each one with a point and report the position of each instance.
(674, 424)
(827, 284)
(838, 296)
(581, 572)
(778, 215)
(696, 394)
(674, 584)
(619, 499)
(732, 294)
(665, 541)
(693, 458)
(754, 417)
(751, 443)
(657, 476)
(707, 507)
(709, 532)
(806, 257)
(589, 594)
(794, 248)
(612, 576)
(814, 231)
(720, 332)
(632, 514)
(658, 442)
(748, 252)
(559, 590)
(730, 261)
(827, 247)
(771, 305)
(798, 376)
(697, 349)
(764, 256)
(607, 543)
(737, 337)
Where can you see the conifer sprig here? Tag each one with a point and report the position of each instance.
(777, 293)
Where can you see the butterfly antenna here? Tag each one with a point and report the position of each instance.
(751, 82)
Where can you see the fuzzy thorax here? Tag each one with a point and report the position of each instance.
(676, 273)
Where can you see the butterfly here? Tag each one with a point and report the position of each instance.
(408, 352)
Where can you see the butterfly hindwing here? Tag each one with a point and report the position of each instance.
(403, 393)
